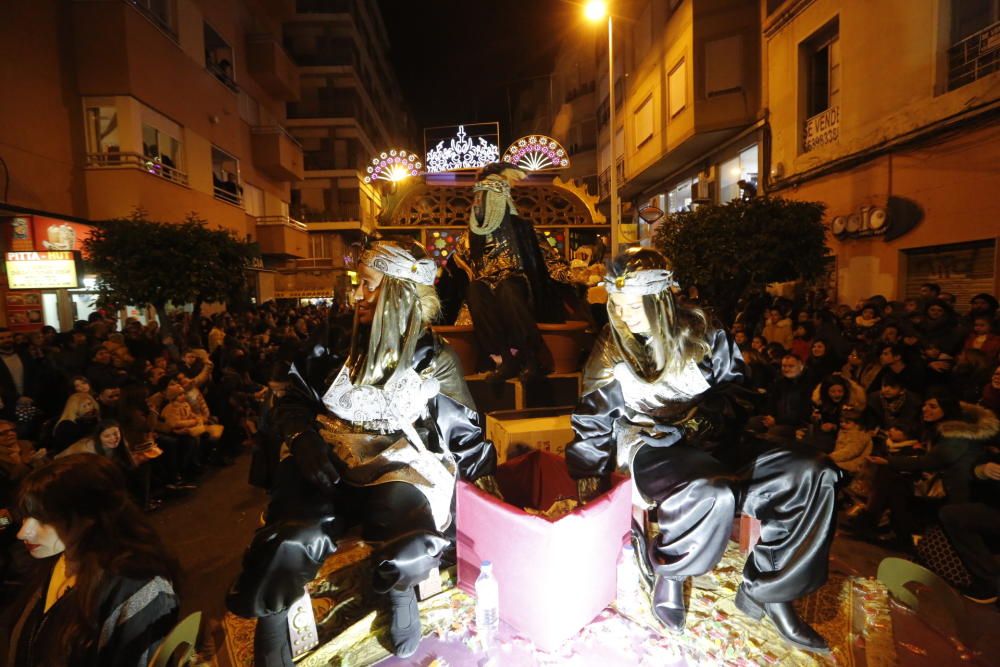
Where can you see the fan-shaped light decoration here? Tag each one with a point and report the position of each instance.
(393, 166)
(536, 152)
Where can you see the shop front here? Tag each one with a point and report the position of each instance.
(45, 281)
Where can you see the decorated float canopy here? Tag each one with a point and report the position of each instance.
(537, 152)
(393, 166)
(458, 147)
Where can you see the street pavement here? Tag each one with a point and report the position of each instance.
(208, 531)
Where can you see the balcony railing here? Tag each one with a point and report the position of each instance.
(823, 128)
(229, 194)
(281, 220)
(974, 57)
(604, 184)
(150, 165)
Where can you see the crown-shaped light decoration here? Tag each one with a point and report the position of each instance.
(462, 153)
(393, 166)
(536, 152)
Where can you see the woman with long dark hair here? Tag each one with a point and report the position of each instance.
(104, 592)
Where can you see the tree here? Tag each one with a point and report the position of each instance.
(144, 262)
(729, 250)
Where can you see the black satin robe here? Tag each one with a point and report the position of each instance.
(685, 461)
(304, 521)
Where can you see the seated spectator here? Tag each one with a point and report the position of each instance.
(892, 359)
(102, 372)
(761, 373)
(17, 458)
(868, 322)
(853, 444)
(938, 367)
(106, 441)
(970, 525)
(955, 434)
(102, 593)
(983, 338)
(778, 327)
(893, 406)
(802, 340)
(860, 368)
(107, 398)
(830, 398)
(971, 374)
(759, 345)
(981, 305)
(788, 407)
(822, 361)
(940, 326)
(79, 417)
(990, 398)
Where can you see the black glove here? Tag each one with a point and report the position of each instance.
(315, 459)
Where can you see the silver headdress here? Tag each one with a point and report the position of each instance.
(645, 282)
(394, 261)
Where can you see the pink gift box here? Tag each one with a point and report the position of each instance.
(554, 576)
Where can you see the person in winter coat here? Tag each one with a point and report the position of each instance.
(854, 443)
(778, 328)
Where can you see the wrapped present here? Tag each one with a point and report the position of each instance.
(555, 576)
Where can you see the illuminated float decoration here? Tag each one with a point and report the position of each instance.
(462, 152)
(393, 166)
(537, 152)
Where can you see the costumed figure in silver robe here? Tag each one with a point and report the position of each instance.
(663, 400)
(515, 279)
(377, 442)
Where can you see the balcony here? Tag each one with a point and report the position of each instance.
(604, 184)
(116, 160)
(281, 236)
(974, 57)
(272, 68)
(821, 129)
(347, 107)
(276, 153)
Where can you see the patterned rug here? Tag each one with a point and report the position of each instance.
(851, 612)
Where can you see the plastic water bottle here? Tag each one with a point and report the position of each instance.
(487, 605)
(628, 580)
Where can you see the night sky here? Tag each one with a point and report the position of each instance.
(455, 59)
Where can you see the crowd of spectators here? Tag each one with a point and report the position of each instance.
(904, 397)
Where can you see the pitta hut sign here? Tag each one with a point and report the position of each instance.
(42, 270)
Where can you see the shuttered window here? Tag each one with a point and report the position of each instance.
(964, 269)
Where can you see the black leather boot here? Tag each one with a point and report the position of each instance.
(786, 621)
(404, 631)
(668, 602)
(271, 647)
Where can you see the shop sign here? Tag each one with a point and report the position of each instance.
(42, 270)
(54, 234)
(891, 221)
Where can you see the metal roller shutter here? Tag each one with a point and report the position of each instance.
(964, 269)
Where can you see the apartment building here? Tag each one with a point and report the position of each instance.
(170, 106)
(687, 107)
(888, 112)
(350, 110)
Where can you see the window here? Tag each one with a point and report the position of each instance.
(681, 197)
(823, 70)
(102, 130)
(160, 12)
(253, 200)
(644, 122)
(219, 58)
(820, 63)
(161, 147)
(975, 30)
(743, 167)
(724, 66)
(677, 89)
(226, 177)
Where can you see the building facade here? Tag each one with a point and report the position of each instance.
(173, 107)
(350, 110)
(889, 113)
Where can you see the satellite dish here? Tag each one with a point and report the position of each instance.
(650, 214)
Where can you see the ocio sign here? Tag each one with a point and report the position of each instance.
(869, 221)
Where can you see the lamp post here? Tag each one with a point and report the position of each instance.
(596, 10)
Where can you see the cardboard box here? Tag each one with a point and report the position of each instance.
(516, 432)
(554, 576)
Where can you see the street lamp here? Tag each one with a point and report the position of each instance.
(596, 10)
